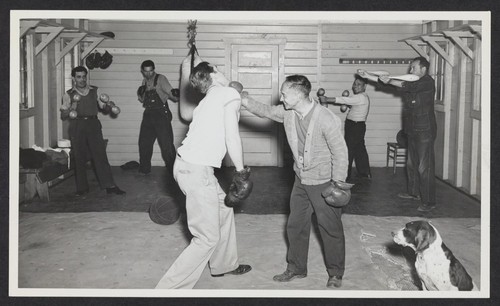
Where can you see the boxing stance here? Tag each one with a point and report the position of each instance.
(320, 164)
(213, 132)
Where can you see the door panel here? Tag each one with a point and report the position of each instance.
(257, 68)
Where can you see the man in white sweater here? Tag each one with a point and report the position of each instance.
(355, 126)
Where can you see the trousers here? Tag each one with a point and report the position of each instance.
(306, 200)
(355, 141)
(420, 166)
(156, 125)
(86, 137)
(210, 222)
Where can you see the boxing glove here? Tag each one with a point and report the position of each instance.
(337, 193)
(140, 92)
(175, 92)
(240, 188)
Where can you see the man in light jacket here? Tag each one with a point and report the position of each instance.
(320, 156)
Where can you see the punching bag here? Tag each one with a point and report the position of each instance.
(189, 97)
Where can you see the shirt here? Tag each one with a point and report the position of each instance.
(205, 143)
(360, 105)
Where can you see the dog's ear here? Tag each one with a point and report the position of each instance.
(421, 240)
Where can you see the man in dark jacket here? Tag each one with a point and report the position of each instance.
(419, 124)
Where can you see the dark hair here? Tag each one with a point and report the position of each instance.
(78, 69)
(147, 63)
(299, 83)
(358, 77)
(200, 77)
(422, 61)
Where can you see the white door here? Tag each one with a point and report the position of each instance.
(257, 67)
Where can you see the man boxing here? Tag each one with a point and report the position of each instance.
(213, 132)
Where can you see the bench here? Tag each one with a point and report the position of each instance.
(38, 181)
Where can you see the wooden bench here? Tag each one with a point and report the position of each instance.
(34, 185)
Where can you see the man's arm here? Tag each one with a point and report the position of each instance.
(65, 107)
(233, 139)
(275, 112)
(351, 100)
(338, 148)
(101, 104)
(385, 79)
(166, 87)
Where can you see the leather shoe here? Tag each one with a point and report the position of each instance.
(287, 276)
(334, 281)
(242, 269)
(115, 190)
(404, 195)
(426, 208)
(81, 193)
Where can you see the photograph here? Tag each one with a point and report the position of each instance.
(283, 154)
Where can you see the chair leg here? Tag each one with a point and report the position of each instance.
(395, 160)
(387, 161)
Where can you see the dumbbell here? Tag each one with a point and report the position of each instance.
(73, 114)
(321, 92)
(104, 98)
(114, 109)
(236, 85)
(344, 107)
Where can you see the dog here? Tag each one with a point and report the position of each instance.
(437, 267)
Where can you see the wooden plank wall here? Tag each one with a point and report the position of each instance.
(311, 49)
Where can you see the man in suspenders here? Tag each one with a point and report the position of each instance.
(157, 118)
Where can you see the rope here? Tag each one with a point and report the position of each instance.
(192, 40)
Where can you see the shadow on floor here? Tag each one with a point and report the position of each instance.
(271, 195)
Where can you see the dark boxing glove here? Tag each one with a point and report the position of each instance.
(337, 194)
(175, 92)
(240, 188)
(140, 91)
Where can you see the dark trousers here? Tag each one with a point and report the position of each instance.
(305, 200)
(86, 137)
(156, 125)
(355, 141)
(420, 167)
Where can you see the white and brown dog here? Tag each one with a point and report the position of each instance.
(436, 266)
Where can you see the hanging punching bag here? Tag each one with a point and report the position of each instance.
(189, 97)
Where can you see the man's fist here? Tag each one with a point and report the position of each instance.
(240, 188)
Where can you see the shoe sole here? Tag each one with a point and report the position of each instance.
(290, 279)
(230, 273)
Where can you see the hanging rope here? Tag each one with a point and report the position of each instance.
(189, 97)
(192, 40)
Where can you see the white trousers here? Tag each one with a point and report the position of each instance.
(210, 222)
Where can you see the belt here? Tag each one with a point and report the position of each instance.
(86, 117)
(355, 121)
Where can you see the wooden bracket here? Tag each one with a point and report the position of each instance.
(456, 37)
(95, 42)
(417, 46)
(47, 39)
(432, 41)
(77, 37)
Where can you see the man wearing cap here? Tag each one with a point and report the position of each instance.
(157, 117)
(86, 133)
